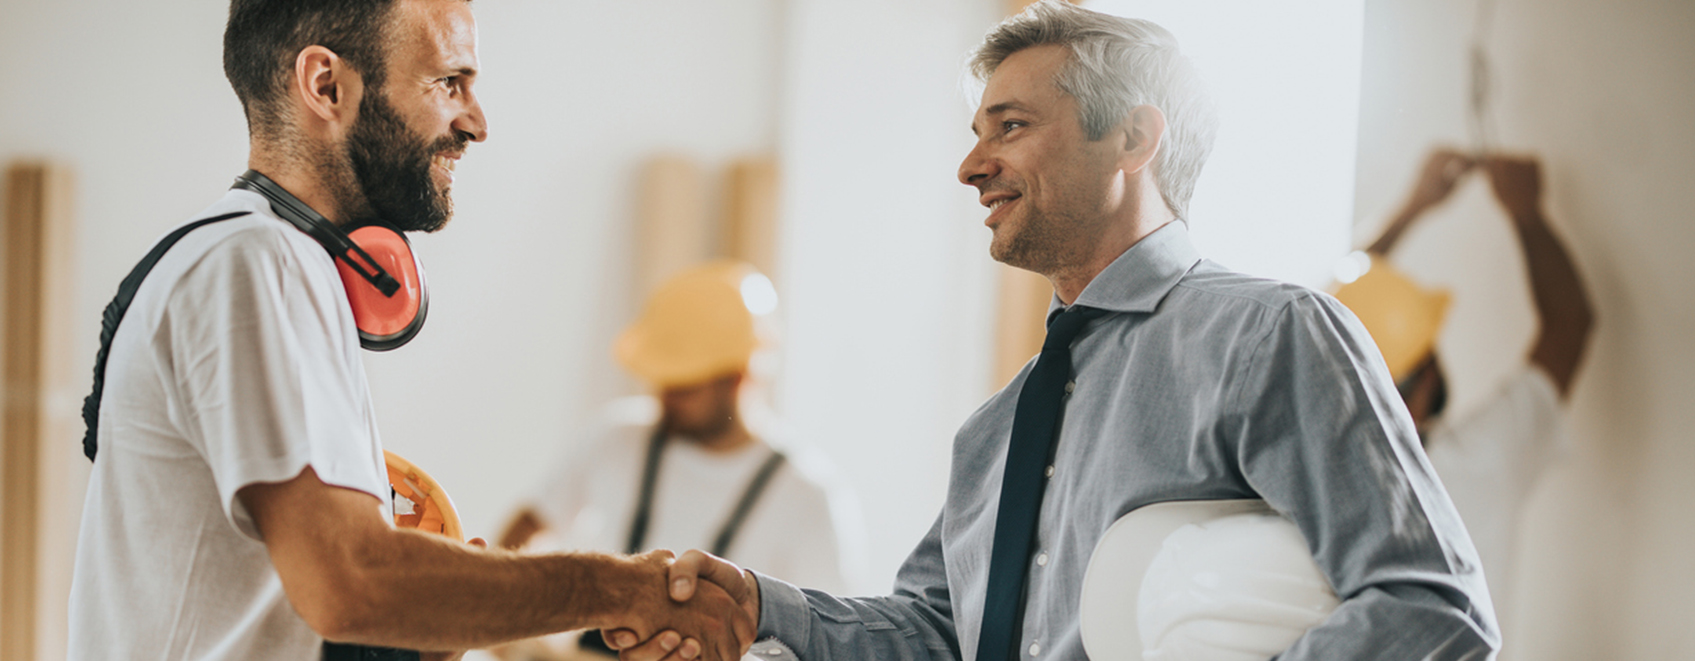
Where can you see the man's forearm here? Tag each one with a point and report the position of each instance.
(1562, 304)
(1394, 622)
(354, 578)
(1391, 235)
(423, 592)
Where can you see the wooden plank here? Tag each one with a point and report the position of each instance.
(1020, 321)
(38, 417)
(750, 212)
(1015, 6)
(673, 228)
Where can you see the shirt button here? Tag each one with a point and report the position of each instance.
(1070, 386)
(1041, 561)
(1035, 649)
(775, 651)
(1048, 472)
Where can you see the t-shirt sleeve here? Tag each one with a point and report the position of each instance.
(1495, 452)
(1521, 420)
(562, 492)
(267, 366)
(808, 548)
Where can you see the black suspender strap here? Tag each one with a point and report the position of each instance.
(644, 498)
(115, 313)
(755, 487)
(726, 533)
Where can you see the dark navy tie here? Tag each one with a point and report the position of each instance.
(1034, 425)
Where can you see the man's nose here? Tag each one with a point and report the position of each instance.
(471, 123)
(976, 167)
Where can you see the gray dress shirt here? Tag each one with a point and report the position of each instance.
(1199, 384)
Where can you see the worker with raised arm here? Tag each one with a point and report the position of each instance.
(1490, 457)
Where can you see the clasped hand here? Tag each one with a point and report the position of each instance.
(710, 610)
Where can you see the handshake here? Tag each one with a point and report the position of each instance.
(697, 606)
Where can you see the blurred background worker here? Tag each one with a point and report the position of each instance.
(1490, 457)
(697, 477)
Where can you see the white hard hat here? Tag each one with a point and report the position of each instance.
(1215, 580)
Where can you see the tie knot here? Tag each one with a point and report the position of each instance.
(1063, 328)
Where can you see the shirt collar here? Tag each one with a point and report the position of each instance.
(1141, 277)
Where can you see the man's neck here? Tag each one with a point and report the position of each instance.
(299, 180)
(734, 437)
(1069, 283)
(1143, 212)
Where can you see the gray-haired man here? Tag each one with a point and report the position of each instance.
(1165, 377)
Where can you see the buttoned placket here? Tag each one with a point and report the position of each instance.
(1041, 558)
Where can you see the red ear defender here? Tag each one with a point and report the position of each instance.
(385, 321)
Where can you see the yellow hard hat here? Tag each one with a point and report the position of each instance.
(419, 502)
(698, 325)
(1402, 317)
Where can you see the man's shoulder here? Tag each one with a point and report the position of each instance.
(251, 233)
(1215, 284)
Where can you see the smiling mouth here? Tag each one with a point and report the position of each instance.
(445, 163)
(995, 206)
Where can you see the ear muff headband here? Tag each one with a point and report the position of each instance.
(383, 278)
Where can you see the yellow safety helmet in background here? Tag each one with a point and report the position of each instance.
(697, 325)
(1402, 317)
(419, 502)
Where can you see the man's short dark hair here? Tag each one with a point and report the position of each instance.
(264, 37)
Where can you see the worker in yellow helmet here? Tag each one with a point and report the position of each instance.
(697, 477)
(1490, 457)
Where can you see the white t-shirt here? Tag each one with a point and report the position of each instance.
(1490, 460)
(237, 363)
(791, 532)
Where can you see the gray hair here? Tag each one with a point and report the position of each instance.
(1117, 64)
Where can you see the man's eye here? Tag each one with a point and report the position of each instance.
(1009, 125)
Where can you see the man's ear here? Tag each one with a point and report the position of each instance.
(326, 87)
(1142, 132)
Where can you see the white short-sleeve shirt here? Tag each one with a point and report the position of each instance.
(237, 363)
(1490, 460)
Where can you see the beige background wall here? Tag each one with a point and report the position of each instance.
(1602, 92)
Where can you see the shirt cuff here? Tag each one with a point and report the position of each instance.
(770, 649)
(783, 610)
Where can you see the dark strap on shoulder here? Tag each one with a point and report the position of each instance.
(644, 497)
(750, 497)
(115, 313)
(592, 640)
(650, 480)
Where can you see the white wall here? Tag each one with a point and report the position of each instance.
(885, 270)
(1276, 196)
(1602, 92)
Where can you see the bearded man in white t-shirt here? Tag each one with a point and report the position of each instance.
(238, 507)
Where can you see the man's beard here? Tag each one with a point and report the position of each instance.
(391, 166)
(1035, 244)
(706, 428)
